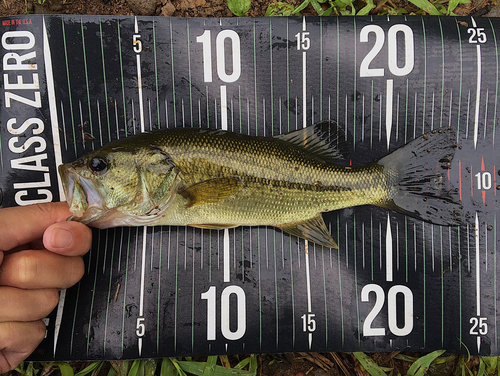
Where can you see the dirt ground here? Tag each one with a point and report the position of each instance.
(190, 8)
(183, 8)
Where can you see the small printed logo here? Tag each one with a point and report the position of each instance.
(17, 21)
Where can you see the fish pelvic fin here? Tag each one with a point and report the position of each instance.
(313, 230)
(213, 226)
(211, 191)
(417, 178)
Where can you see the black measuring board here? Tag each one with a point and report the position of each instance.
(71, 84)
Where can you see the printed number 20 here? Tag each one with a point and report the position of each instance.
(368, 330)
(392, 53)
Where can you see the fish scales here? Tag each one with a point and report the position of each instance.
(218, 179)
(281, 183)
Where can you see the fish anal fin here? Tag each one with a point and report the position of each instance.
(325, 140)
(211, 191)
(313, 230)
(213, 226)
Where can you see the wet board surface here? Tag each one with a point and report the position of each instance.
(72, 84)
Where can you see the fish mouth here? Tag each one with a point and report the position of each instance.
(85, 203)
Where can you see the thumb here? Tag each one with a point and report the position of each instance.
(68, 238)
(24, 224)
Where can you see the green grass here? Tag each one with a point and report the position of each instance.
(347, 7)
(145, 367)
(376, 364)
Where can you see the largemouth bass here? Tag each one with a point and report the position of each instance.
(217, 179)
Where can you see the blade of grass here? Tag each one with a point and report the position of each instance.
(175, 362)
(137, 368)
(491, 363)
(405, 358)
(482, 367)
(253, 365)
(89, 369)
(167, 368)
(426, 6)
(120, 366)
(225, 361)
(366, 9)
(238, 7)
(20, 369)
(317, 7)
(421, 365)
(65, 369)
(150, 366)
(301, 7)
(198, 368)
(279, 9)
(460, 367)
(369, 365)
(243, 363)
(210, 366)
(30, 370)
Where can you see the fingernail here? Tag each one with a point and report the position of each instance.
(61, 238)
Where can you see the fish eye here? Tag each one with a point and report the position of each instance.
(98, 164)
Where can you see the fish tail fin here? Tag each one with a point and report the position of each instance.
(417, 176)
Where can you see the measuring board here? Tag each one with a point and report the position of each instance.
(72, 84)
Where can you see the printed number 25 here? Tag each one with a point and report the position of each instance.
(477, 35)
(479, 326)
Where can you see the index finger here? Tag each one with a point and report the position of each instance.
(24, 224)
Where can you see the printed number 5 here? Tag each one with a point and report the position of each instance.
(137, 43)
(140, 328)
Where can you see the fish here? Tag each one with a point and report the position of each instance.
(217, 179)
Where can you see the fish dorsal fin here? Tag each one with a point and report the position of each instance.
(325, 140)
(211, 191)
(313, 229)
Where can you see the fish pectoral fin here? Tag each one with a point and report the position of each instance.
(214, 226)
(313, 229)
(211, 191)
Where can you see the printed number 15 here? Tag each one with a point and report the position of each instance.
(303, 40)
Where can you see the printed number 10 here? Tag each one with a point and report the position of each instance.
(205, 40)
(483, 180)
(241, 324)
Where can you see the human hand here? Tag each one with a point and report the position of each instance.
(40, 254)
